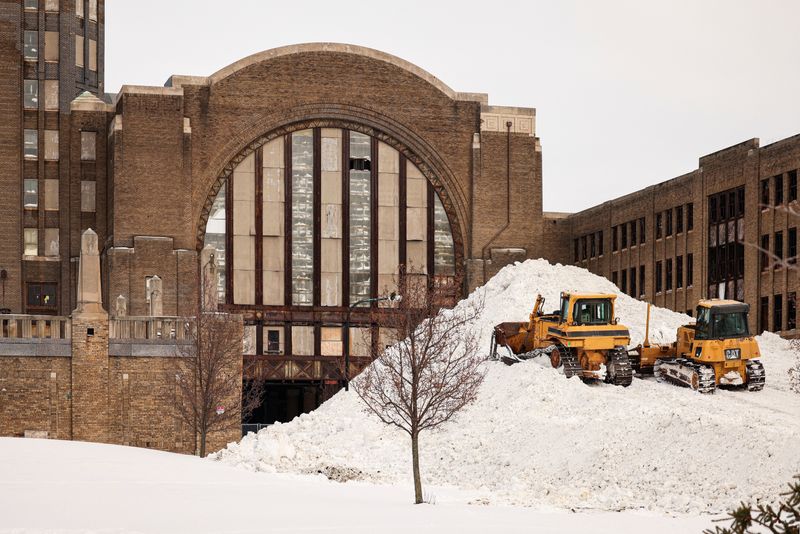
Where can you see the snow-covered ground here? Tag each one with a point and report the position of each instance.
(536, 439)
(62, 487)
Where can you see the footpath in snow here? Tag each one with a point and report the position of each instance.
(534, 438)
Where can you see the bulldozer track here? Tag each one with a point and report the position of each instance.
(755, 375)
(618, 369)
(569, 359)
(685, 372)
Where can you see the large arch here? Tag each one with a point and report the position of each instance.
(331, 116)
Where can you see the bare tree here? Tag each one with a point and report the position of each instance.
(211, 395)
(430, 373)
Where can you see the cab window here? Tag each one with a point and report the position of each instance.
(592, 311)
(725, 325)
(702, 329)
(564, 312)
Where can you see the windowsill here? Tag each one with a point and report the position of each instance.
(31, 158)
(40, 258)
(31, 59)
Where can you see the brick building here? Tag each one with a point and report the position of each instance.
(320, 172)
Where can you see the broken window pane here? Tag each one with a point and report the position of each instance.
(31, 197)
(443, 255)
(31, 144)
(302, 217)
(31, 91)
(360, 216)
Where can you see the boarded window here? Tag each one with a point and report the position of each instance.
(331, 344)
(303, 340)
(51, 195)
(79, 8)
(88, 146)
(51, 242)
(88, 193)
(92, 55)
(51, 46)
(79, 51)
(31, 92)
(51, 145)
(93, 10)
(31, 144)
(31, 241)
(51, 5)
(51, 95)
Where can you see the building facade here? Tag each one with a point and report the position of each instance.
(322, 173)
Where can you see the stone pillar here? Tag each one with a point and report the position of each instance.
(90, 367)
(210, 276)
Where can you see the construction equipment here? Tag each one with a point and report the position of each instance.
(717, 350)
(581, 336)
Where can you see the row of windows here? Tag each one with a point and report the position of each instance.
(777, 313)
(588, 246)
(302, 340)
(31, 91)
(52, 5)
(726, 205)
(774, 258)
(31, 145)
(51, 49)
(665, 219)
(31, 201)
(31, 242)
(778, 182)
(628, 229)
(666, 275)
(621, 279)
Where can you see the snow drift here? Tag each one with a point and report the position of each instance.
(535, 438)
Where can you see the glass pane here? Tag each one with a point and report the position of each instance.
(31, 91)
(31, 144)
(215, 235)
(31, 4)
(31, 45)
(42, 295)
(360, 216)
(31, 238)
(31, 196)
(302, 217)
(443, 255)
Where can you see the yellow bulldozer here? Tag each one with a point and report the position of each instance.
(718, 350)
(582, 336)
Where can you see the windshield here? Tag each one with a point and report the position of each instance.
(729, 325)
(595, 311)
(564, 308)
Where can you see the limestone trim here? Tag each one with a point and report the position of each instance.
(266, 55)
(403, 140)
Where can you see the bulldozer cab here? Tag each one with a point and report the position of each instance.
(721, 319)
(589, 309)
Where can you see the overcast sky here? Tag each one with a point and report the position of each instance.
(628, 92)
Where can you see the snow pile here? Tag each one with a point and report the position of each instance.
(535, 438)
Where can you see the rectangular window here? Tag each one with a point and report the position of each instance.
(331, 342)
(791, 311)
(624, 234)
(763, 314)
(31, 195)
(632, 276)
(592, 245)
(778, 248)
(641, 281)
(659, 279)
(777, 313)
(689, 270)
(51, 5)
(792, 246)
(93, 10)
(600, 242)
(690, 216)
(624, 287)
(679, 219)
(764, 252)
(615, 278)
(51, 145)
(633, 233)
(31, 45)
(42, 297)
(79, 59)
(583, 247)
(360, 216)
(659, 227)
(88, 146)
(31, 150)
(679, 271)
(641, 231)
(303, 218)
(51, 195)
(793, 185)
(31, 94)
(30, 242)
(92, 55)
(778, 189)
(51, 46)
(764, 193)
(79, 8)
(88, 194)
(51, 95)
(273, 340)
(32, 4)
(614, 239)
(669, 275)
(51, 242)
(669, 222)
(577, 248)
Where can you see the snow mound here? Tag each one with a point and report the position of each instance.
(535, 438)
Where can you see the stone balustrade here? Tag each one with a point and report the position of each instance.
(151, 328)
(13, 326)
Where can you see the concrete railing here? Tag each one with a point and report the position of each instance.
(152, 328)
(34, 327)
